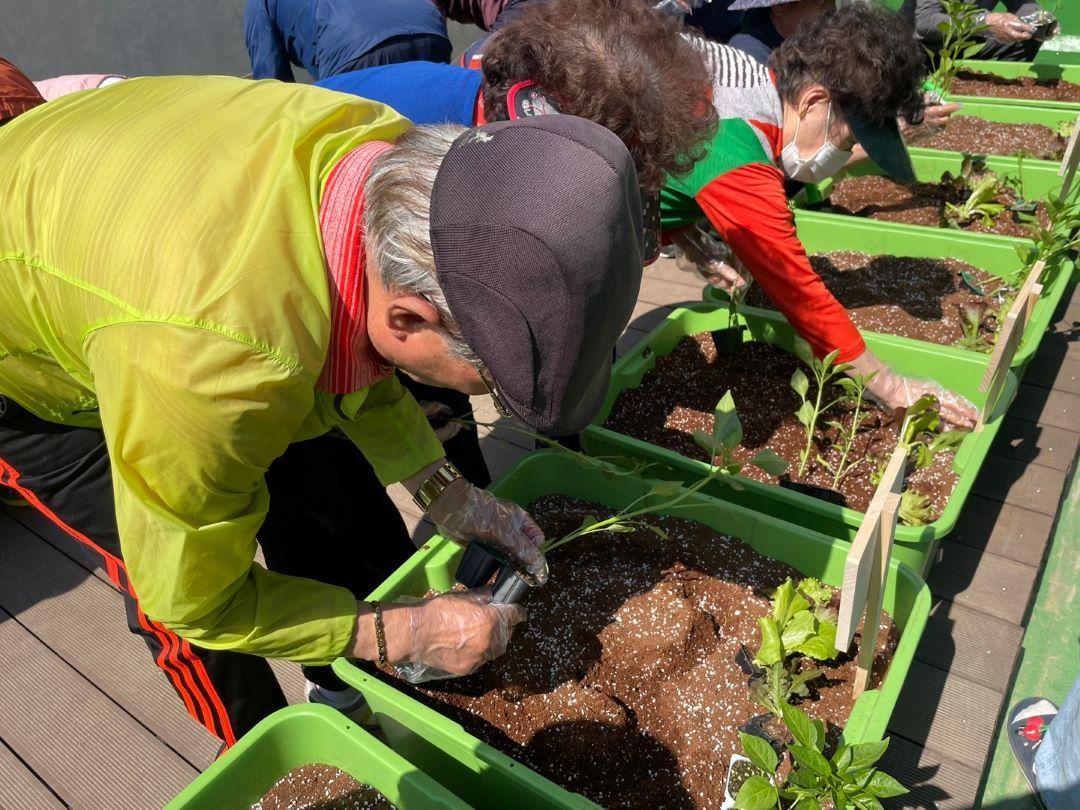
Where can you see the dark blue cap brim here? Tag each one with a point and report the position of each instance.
(885, 146)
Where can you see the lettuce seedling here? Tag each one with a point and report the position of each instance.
(848, 779)
(981, 204)
(972, 316)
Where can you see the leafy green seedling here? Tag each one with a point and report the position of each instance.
(981, 204)
(809, 412)
(848, 779)
(971, 320)
(915, 509)
(779, 682)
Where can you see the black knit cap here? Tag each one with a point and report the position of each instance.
(536, 231)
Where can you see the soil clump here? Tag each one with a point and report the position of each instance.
(321, 787)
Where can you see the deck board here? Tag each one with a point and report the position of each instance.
(44, 590)
(91, 752)
(971, 644)
(1003, 529)
(17, 780)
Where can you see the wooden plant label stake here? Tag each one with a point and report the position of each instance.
(1069, 161)
(1016, 321)
(867, 567)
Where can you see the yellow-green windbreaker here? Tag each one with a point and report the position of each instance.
(162, 277)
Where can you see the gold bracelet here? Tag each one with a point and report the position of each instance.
(380, 633)
(434, 485)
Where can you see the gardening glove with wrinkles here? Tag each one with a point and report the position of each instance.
(899, 392)
(464, 512)
(458, 633)
(711, 259)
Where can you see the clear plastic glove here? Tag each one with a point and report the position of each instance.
(899, 392)
(713, 260)
(464, 512)
(935, 117)
(1006, 27)
(456, 633)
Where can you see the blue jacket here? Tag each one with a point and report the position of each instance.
(424, 92)
(326, 36)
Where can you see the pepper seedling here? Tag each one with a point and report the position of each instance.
(809, 412)
(854, 389)
(848, 779)
(959, 40)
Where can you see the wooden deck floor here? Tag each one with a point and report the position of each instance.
(87, 721)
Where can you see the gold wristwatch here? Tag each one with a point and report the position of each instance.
(434, 485)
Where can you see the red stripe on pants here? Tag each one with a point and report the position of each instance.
(177, 660)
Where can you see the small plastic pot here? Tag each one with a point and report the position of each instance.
(826, 494)
(476, 566)
(509, 587)
(728, 341)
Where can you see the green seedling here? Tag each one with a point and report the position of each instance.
(1065, 129)
(915, 509)
(981, 204)
(810, 412)
(1061, 235)
(972, 317)
(662, 495)
(854, 389)
(801, 624)
(972, 167)
(959, 40)
(848, 779)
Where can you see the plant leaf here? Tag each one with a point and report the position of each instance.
(884, 786)
(862, 756)
(798, 683)
(663, 535)
(759, 752)
(769, 461)
(802, 729)
(805, 414)
(811, 758)
(727, 429)
(800, 383)
(948, 440)
(756, 793)
(815, 590)
(808, 803)
(797, 630)
(771, 650)
(821, 646)
(706, 442)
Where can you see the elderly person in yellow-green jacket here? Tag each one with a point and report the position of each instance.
(200, 277)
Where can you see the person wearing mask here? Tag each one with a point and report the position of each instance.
(327, 37)
(176, 330)
(841, 79)
(1010, 35)
(17, 92)
(615, 62)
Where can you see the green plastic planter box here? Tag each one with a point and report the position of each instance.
(957, 371)
(1018, 70)
(821, 234)
(487, 778)
(304, 735)
(1009, 113)
(1039, 177)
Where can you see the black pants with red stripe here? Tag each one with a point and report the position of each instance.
(329, 520)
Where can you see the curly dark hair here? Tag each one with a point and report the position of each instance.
(865, 56)
(615, 62)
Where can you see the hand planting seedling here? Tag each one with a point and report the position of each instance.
(847, 779)
(809, 412)
(960, 40)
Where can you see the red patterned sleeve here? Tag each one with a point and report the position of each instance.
(749, 210)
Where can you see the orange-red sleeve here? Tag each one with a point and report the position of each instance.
(749, 210)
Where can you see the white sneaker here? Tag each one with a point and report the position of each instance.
(348, 701)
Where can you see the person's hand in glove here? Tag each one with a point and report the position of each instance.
(899, 392)
(1006, 27)
(455, 632)
(463, 512)
(711, 259)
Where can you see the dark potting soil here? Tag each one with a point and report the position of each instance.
(878, 197)
(973, 83)
(321, 787)
(679, 394)
(622, 684)
(966, 133)
(900, 295)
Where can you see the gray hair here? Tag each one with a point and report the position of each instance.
(397, 220)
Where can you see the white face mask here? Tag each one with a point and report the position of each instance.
(824, 163)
